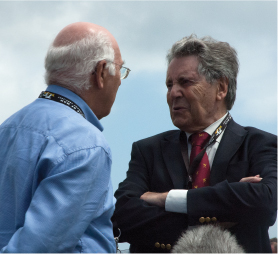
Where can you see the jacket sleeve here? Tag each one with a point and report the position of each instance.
(231, 201)
(139, 222)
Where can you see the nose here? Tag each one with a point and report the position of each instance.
(175, 91)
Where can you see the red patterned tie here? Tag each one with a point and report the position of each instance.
(202, 172)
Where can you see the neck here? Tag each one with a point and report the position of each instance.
(219, 112)
(94, 100)
(218, 116)
(200, 126)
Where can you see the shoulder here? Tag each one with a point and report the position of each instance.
(74, 132)
(259, 140)
(156, 139)
(250, 137)
(58, 123)
(250, 132)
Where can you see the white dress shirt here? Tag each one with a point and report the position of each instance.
(176, 200)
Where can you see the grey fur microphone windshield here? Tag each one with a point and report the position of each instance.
(207, 239)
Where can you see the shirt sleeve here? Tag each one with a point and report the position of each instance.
(176, 201)
(64, 203)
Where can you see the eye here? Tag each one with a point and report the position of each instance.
(169, 84)
(183, 81)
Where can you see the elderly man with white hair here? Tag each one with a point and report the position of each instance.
(55, 192)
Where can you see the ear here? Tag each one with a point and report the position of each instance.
(222, 88)
(100, 74)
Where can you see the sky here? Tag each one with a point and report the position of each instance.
(145, 31)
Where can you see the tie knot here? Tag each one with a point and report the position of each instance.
(199, 139)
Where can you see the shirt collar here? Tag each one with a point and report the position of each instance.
(213, 126)
(210, 129)
(89, 114)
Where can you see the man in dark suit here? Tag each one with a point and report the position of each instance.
(211, 170)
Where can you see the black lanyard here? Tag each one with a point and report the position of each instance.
(184, 149)
(61, 99)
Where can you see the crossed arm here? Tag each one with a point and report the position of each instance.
(159, 199)
(140, 208)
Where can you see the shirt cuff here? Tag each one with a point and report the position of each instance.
(176, 201)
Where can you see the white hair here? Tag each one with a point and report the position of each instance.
(72, 65)
(207, 239)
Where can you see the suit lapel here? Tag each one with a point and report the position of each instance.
(172, 156)
(230, 143)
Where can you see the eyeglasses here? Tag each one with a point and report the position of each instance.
(124, 70)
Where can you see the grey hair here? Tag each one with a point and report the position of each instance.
(207, 239)
(216, 60)
(72, 65)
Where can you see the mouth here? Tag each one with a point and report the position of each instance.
(177, 108)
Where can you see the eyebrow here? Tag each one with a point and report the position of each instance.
(168, 80)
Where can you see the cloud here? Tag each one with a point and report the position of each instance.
(145, 31)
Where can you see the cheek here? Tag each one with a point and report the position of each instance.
(209, 100)
(198, 93)
(116, 91)
(203, 98)
(168, 98)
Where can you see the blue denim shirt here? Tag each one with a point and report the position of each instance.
(55, 187)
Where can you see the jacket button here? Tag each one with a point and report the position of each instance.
(208, 219)
(213, 219)
(162, 246)
(202, 219)
(157, 245)
(168, 246)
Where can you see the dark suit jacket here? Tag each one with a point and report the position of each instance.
(156, 165)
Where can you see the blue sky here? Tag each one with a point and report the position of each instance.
(145, 31)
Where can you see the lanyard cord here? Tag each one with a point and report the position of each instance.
(61, 99)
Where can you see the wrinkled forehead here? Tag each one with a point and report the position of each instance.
(186, 65)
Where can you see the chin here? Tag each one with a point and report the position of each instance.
(107, 113)
(182, 125)
(104, 114)
(186, 126)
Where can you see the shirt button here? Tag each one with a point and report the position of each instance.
(208, 219)
(202, 219)
(157, 244)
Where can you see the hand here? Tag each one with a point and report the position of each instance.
(154, 198)
(251, 179)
